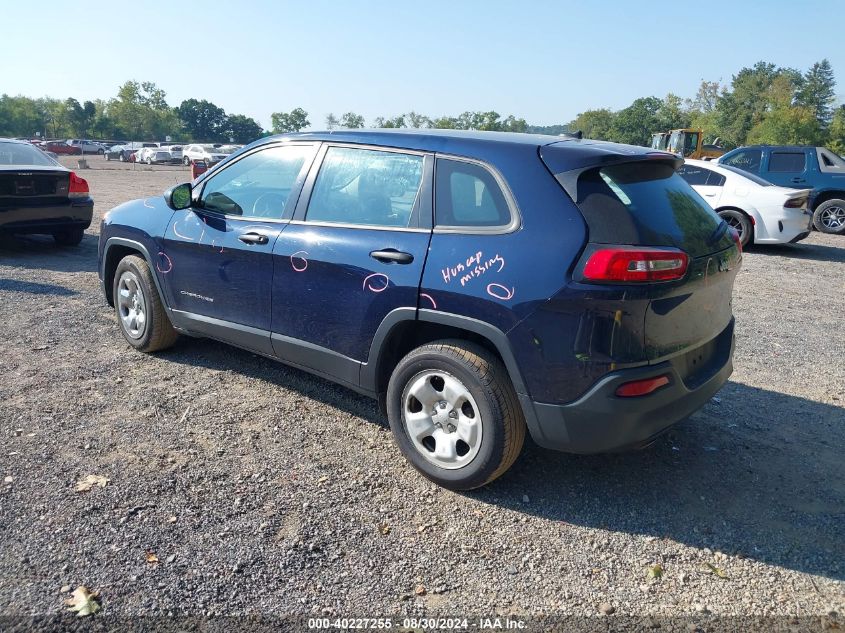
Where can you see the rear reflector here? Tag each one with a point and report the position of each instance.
(641, 387)
(78, 187)
(635, 264)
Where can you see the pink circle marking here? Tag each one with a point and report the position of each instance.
(430, 298)
(500, 292)
(369, 279)
(161, 258)
(301, 268)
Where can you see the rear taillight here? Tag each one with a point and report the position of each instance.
(735, 236)
(78, 187)
(635, 264)
(641, 387)
(796, 203)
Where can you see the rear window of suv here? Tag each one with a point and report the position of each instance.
(648, 204)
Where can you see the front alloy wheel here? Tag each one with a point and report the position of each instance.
(141, 315)
(131, 305)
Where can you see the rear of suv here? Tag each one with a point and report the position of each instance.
(478, 284)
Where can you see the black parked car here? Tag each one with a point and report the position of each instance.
(38, 195)
(480, 285)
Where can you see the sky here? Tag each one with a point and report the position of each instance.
(543, 61)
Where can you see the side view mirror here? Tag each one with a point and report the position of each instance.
(178, 197)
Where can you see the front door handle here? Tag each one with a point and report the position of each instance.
(391, 255)
(253, 238)
(796, 179)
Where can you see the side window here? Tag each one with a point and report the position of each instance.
(693, 175)
(789, 162)
(258, 185)
(747, 160)
(829, 162)
(714, 179)
(467, 195)
(368, 187)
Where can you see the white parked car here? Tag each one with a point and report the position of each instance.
(761, 212)
(208, 153)
(142, 154)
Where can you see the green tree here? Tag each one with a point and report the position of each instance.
(242, 129)
(596, 124)
(351, 120)
(292, 121)
(203, 120)
(416, 120)
(817, 92)
(395, 122)
(836, 132)
(636, 123)
(140, 111)
(331, 121)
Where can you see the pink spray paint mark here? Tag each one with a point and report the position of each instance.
(500, 292)
(164, 264)
(430, 298)
(371, 283)
(304, 262)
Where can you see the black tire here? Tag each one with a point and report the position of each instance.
(487, 381)
(122, 157)
(740, 222)
(157, 332)
(107, 156)
(71, 237)
(186, 161)
(829, 217)
(101, 152)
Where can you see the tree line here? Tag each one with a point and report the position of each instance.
(761, 104)
(139, 112)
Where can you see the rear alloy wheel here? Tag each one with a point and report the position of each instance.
(101, 152)
(186, 161)
(140, 312)
(829, 217)
(454, 414)
(738, 221)
(71, 237)
(122, 157)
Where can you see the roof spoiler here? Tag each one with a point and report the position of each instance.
(569, 179)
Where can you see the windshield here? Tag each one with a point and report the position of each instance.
(746, 174)
(24, 154)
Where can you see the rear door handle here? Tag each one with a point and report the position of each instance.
(253, 238)
(391, 255)
(796, 179)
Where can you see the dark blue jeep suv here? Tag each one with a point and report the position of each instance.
(476, 283)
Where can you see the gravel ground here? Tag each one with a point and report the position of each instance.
(260, 489)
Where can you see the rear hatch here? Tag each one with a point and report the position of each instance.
(632, 197)
(33, 185)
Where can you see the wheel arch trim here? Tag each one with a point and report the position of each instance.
(137, 246)
(370, 370)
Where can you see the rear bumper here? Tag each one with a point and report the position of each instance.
(599, 421)
(47, 219)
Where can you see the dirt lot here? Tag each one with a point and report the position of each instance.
(263, 490)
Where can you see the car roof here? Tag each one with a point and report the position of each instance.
(560, 153)
(14, 140)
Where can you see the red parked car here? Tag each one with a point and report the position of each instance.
(60, 147)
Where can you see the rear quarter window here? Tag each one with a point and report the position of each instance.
(468, 195)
